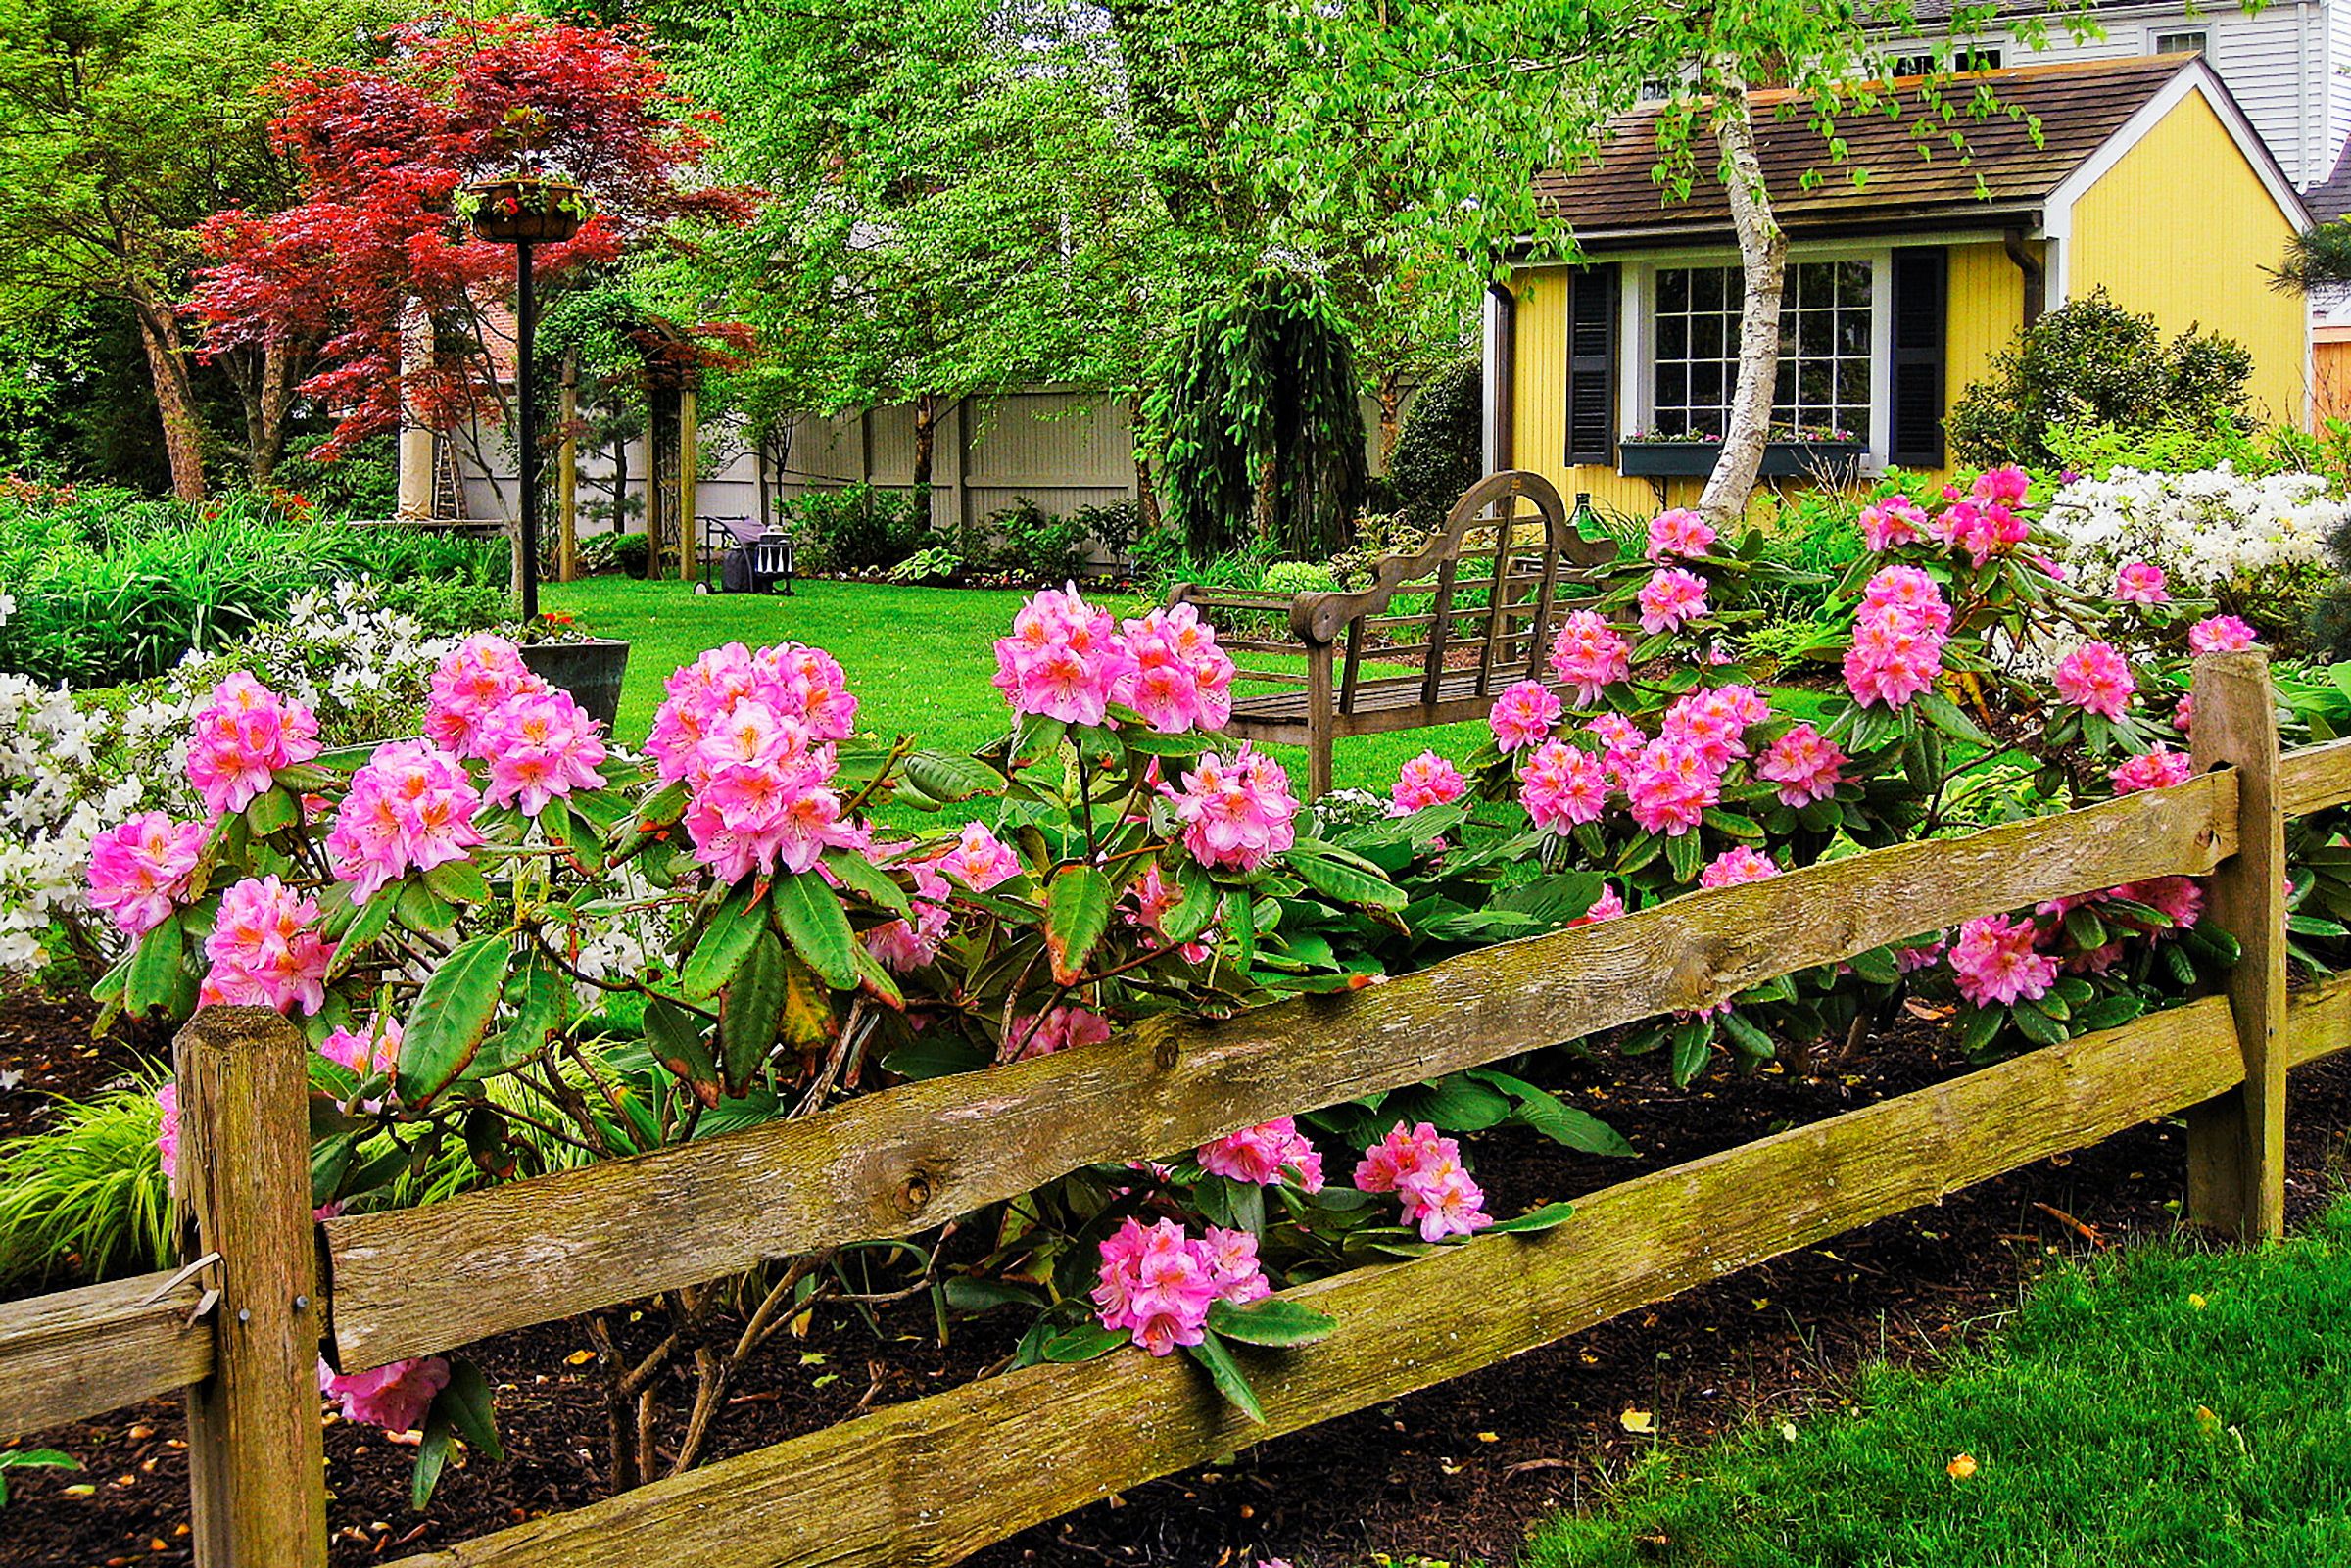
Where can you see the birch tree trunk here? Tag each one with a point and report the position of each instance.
(1763, 264)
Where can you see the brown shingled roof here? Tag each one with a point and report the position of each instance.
(1911, 178)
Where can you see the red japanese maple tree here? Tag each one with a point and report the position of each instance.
(377, 250)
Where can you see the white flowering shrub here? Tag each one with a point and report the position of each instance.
(2256, 545)
(73, 763)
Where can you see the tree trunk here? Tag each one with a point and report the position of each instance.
(175, 397)
(927, 409)
(1763, 261)
(1391, 414)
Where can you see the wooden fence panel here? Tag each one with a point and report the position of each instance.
(2315, 778)
(411, 1282)
(935, 1479)
(76, 1354)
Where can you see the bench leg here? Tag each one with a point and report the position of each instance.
(1322, 721)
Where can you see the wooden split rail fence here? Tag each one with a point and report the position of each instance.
(936, 1478)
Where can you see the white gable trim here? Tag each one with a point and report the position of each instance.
(2197, 78)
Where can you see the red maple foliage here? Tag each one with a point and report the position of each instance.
(377, 248)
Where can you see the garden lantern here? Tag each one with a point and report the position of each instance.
(523, 211)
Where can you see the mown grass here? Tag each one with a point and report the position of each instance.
(2168, 1405)
(918, 658)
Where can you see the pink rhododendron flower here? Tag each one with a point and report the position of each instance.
(1895, 654)
(1563, 786)
(409, 808)
(242, 738)
(1716, 720)
(1669, 786)
(1425, 1170)
(2219, 634)
(1236, 812)
(480, 678)
(140, 869)
(2095, 679)
(1158, 1283)
(1428, 780)
(1735, 866)
(1680, 532)
(1804, 764)
(2152, 770)
(1672, 599)
(395, 1397)
(166, 1131)
(1891, 523)
(364, 1051)
(2180, 899)
(1983, 529)
(2004, 486)
(540, 745)
(2140, 583)
(1231, 1259)
(266, 949)
(1917, 956)
(1057, 1029)
(1064, 659)
(1588, 654)
(1994, 962)
(2185, 714)
(1910, 589)
(980, 860)
(1258, 1155)
(734, 706)
(1154, 896)
(1620, 739)
(903, 945)
(1522, 716)
(1608, 906)
(1176, 676)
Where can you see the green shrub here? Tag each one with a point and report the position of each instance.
(2168, 449)
(2092, 362)
(1029, 542)
(1300, 577)
(1441, 452)
(446, 607)
(857, 528)
(85, 1197)
(1114, 527)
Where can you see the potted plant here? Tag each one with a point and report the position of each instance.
(1789, 452)
(563, 654)
(523, 207)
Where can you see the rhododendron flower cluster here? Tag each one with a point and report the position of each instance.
(140, 869)
(1562, 786)
(365, 1052)
(1672, 599)
(474, 683)
(1236, 813)
(1158, 1284)
(1893, 522)
(1982, 525)
(979, 859)
(1671, 785)
(243, 739)
(1064, 659)
(1262, 1154)
(1587, 653)
(541, 747)
(1678, 532)
(1804, 764)
(409, 808)
(1610, 905)
(1180, 678)
(1716, 720)
(2140, 583)
(2095, 679)
(266, 949)
(1735, 866)
(1523, 716)
(395, 1397)
(1425, 1170)
(1899, 638)
(1428, 779)
(901, 944)
(2219, 634)
(2152, 770)
(1154, 896)
(1055, 1030)
(1994, 963)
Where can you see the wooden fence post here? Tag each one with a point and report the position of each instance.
(567, 473)
(2236, 1142)
(255, 1454)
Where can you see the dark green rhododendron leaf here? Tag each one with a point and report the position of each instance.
(1226, 1374)
(450, 1016)
(810, 918)
(1076, 915)
(750, 1014)
(1270, 1320)
(680, 1041)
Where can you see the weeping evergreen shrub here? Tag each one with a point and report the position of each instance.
(1260, 397)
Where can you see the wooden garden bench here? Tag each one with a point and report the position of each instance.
(1509, 535)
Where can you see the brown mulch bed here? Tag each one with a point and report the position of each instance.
(1455, 1473)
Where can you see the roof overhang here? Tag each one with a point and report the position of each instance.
(1942, 219)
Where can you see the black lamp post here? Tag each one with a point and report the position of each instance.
(522, 212)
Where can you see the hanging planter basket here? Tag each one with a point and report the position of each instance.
(523, 208)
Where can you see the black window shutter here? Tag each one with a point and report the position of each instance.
(1920, 310)
(1592, 365)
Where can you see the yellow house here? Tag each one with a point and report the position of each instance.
(2139, 176)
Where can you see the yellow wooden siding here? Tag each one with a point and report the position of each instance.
(2181, 227)
(1986, 310)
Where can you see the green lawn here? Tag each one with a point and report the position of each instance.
(918, 658)
(2169, 1406)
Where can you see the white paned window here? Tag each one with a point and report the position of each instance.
(1827, 343)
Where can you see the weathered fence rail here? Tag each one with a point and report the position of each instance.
(932, 1480)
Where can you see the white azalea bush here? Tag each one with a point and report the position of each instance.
(2255, 544)
(73, 763)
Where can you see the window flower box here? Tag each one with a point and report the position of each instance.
(1694, 459)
